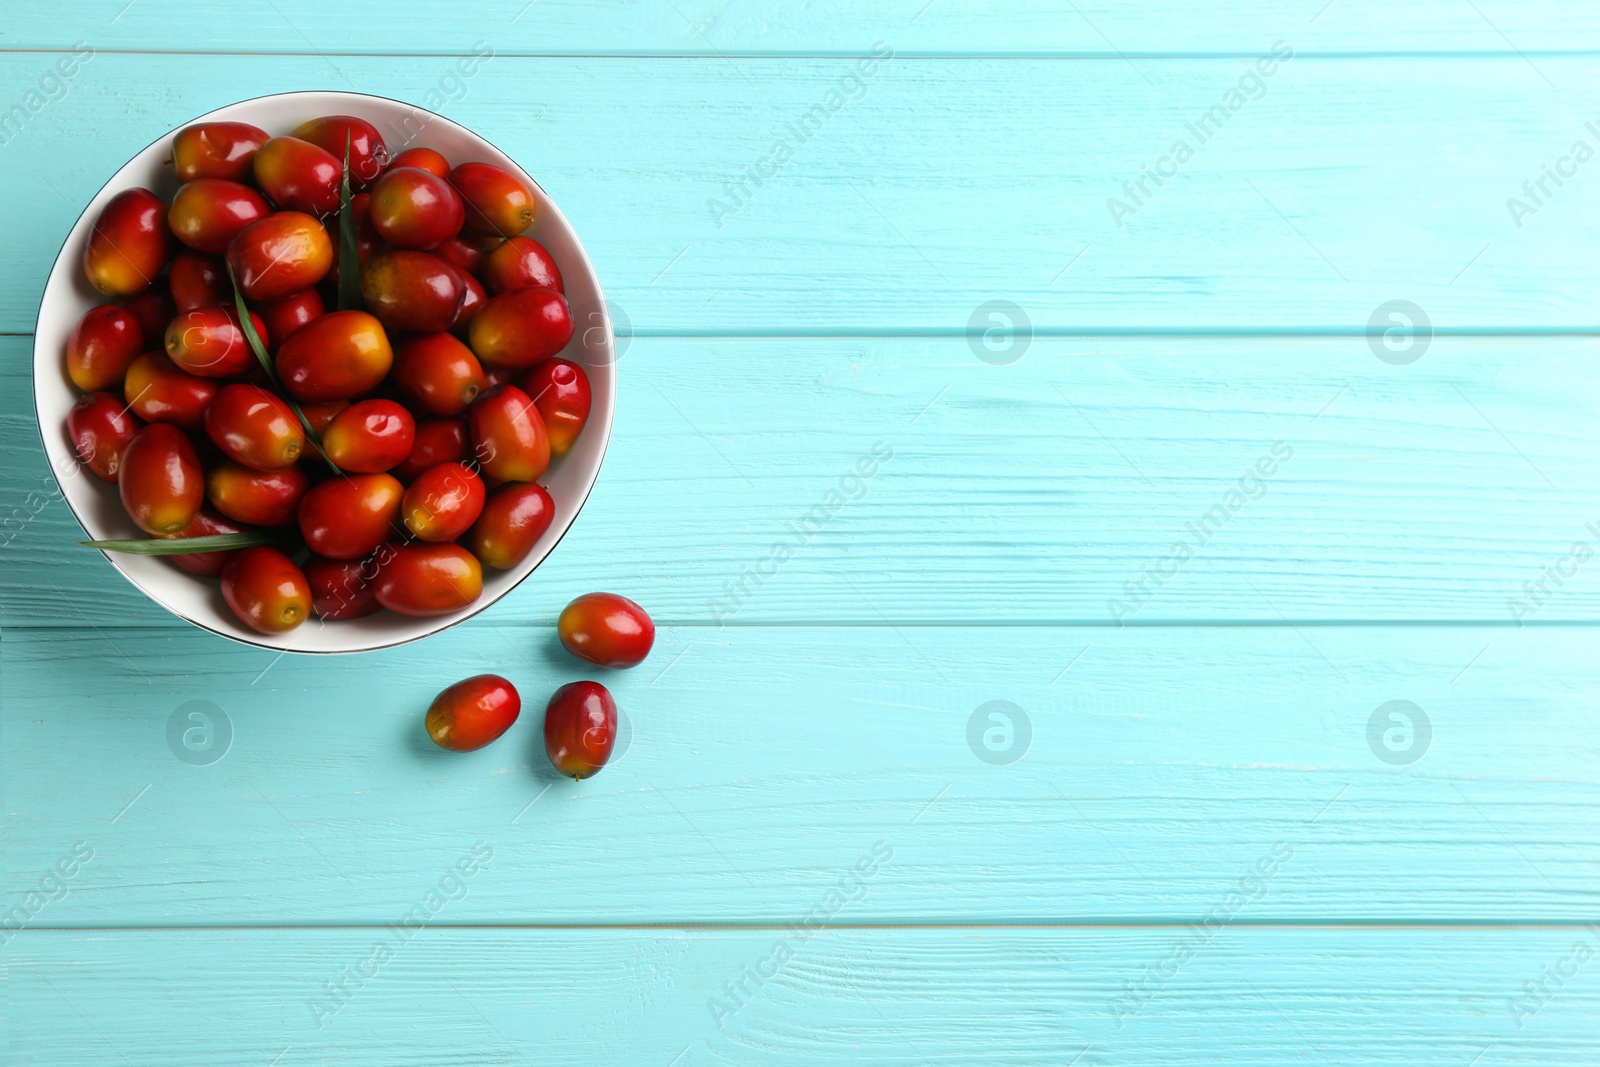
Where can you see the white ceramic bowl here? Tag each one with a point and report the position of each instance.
(67, 296)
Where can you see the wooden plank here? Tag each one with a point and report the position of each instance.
(945, 184)
(1039, 492)
(1156, 771)
(471, 998)
(710, 27)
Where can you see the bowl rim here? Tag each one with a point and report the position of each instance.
(609, 345)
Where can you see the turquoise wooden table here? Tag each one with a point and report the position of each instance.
(1118, 484)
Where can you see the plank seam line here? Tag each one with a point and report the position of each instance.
(892, 927)
(908, 333)
(935, 55)
(46, 626)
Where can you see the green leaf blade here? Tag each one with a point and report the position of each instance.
(183, 546)
(260, 349)
(349, 262)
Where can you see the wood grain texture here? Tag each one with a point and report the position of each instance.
(472, 998)
(771, 27)
(1156, 770)
(1350, 183)
(806, 747)
(1029, 493)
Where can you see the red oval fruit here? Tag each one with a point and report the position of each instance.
(423, 159)
(210, 342)
(422, 580)
(412, 291)
(560, 390)
(216, 150)
(438, 373)
(514, 517)
(496, 200)
(369, 437)
(298, 175)
(473, 297)
(321, 413)
(205, 564)
(287, 314)
(266, 590)
(508, 435)
(102, 346)
(466, 250)
(154, 309)
(253, 426)
(411, 208)
(368, 242)
(281, 254)
(129, 244)
(580, 729)
(347, 517)
(197, 281)
(473, 712)
(443, 503)
(207, 212)
(259, 498)
(335, 357)
(438, 441)
(158, 391)
(607, 630)
(522, 327)
(341, 588)
(160, 480)
(518, 262)
(332, 133)
(100, 427)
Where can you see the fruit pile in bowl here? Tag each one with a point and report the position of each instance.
(318, 391)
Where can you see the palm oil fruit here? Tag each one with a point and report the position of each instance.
(160, 480)
(334, 357)
(438, 373)
(513, 519)
(370, 436)
(519, 262)
(607, 630)
(100, 427)
(102, 346)
(424, 580)
(412, 291)
(223, 150)
(443, 502)
(207, 212)
(349, 516)
(473, 712)
(129, 245)
(255, 427)
(496, 200)
(508, 435)
(580, 729)
(281, 254)
(265, 589)
(521, 327)
(334, 133)
(560, 390)
(298, 175)
(256, 497)
(411, 208)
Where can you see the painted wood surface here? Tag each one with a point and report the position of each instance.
(1063, 488)
(1350, 736)
(881, 997)
(1135, 775)
(1348, 184)
(771, 27)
